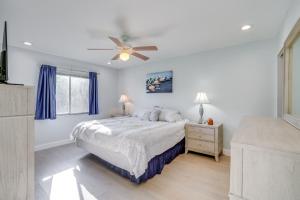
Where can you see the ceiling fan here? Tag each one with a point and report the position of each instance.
(125, 50)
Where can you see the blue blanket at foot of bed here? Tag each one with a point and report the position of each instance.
(155, 165)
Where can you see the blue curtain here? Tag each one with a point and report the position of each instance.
(46, 94)
(93, 94)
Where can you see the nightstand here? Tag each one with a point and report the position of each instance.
(203, 138)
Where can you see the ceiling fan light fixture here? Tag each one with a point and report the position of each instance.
(124, 51)
(124, 56)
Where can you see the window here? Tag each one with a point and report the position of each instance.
(62, 94)
(72, 94)
(79, 95)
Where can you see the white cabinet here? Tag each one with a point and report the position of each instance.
(16, 143)
(265, 161)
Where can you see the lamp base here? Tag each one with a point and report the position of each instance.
(201, 112)
(124, 108)
(200, 121)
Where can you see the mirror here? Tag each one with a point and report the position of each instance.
(292, 77)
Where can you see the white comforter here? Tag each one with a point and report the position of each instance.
(138, 140)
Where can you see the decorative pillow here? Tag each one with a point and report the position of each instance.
(154, 115)
(142, 114)
(164, 112)
(145, 115)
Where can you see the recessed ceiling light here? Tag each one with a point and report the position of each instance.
(246, 27)
(108, 62)
(27, 43)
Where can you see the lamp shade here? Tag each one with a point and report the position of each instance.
(201, 98)
(123, 98)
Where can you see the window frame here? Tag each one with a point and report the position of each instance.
(70, 98)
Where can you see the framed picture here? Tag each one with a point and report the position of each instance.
(159, 82)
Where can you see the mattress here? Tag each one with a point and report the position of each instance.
(128, 142)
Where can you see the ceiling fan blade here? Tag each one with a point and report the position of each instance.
(140, 56)
(98, 49)
(145, 48)
(116, 57)
(116, 41)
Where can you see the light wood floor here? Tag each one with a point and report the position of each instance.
(69, 173)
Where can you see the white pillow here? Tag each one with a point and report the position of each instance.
(164, 112)
(173, 117)
(143, 114)
(154, 115)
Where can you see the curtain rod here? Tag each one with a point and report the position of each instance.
(74, 70)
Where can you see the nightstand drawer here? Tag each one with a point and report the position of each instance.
(210, 131)
(201, 136)
(201, 145)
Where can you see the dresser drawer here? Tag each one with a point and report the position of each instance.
(199, 145)
(13, 101)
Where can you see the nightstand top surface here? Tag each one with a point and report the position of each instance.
(192, 123)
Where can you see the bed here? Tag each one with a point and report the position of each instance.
(136, 149)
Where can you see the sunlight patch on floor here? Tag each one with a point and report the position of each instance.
(65, 186)
(86, 194)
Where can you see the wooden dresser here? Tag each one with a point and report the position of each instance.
(265, 161)
(16, 142)
(203, 138)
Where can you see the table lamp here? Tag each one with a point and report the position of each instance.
(123, 99)
(201, 99)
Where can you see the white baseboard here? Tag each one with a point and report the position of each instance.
(226, 152)
(52, 144)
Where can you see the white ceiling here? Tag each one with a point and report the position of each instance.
(178, 27)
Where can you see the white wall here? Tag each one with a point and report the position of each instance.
(239, 81)
(24, 68)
